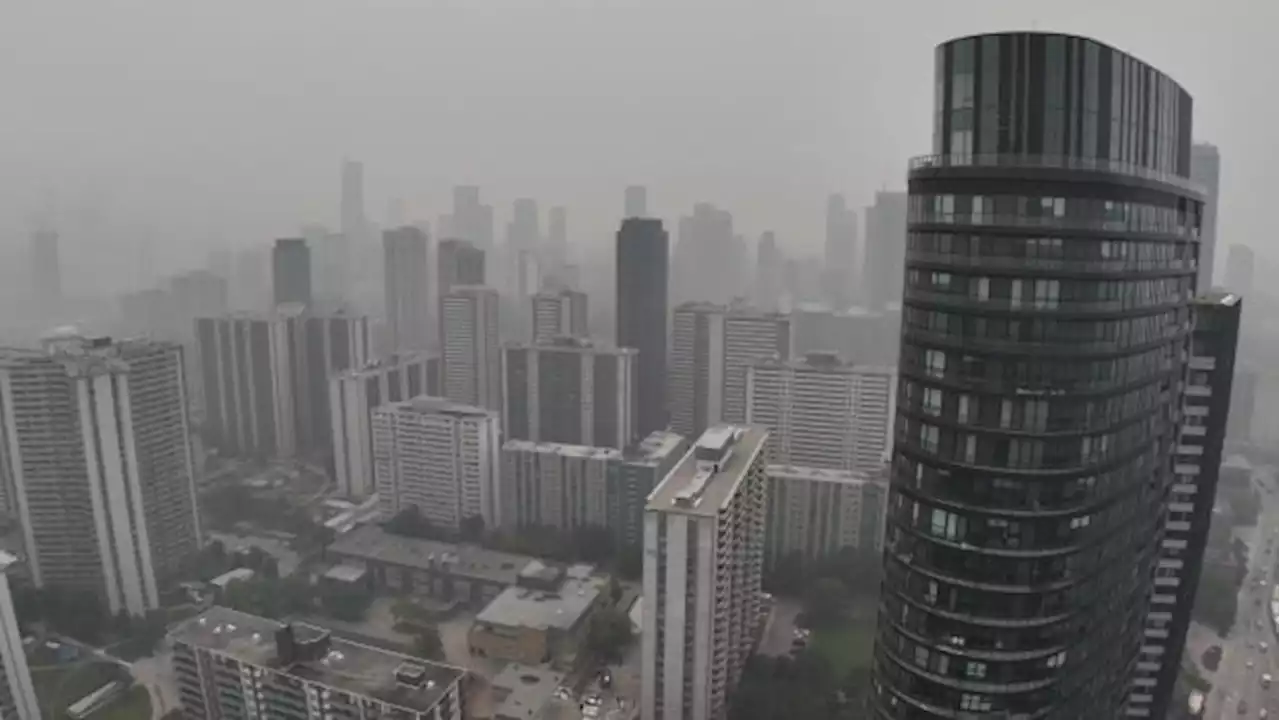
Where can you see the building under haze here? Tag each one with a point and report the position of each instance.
(641, 307)
(559, 314)
(46, 273)
(813, 513)
(1239, 272)
(458, 262)
(569, 391)
(470, 220)
(1206, 166)
(407, 280)
(96, 449)
(840, 254)
(884, 243)
(17, 693)
(470, 348)
(1045, 315)
(291, 272)
(329, 343)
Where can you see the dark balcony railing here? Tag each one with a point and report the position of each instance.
(1060, 162)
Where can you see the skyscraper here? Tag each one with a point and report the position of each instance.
(458, 262)
(408, 293)
(569, 391)
(17, 693)
(352, 213)
(291, 272)
(642, 315)
(469, 343)
(46, 271)
(884, 244)
(1205, 168)
(840, 253)
(1045, 313)
(768, 284)
(1238, 276)
(560, 314)
(328, 343)
(635, 202)
(471, 220)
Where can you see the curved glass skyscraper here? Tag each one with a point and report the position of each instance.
(1050, 263)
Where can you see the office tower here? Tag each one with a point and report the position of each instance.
(46, 271)
(471, 220)
(1238, 276)
(642, 315)
(354, 394)
(814, 513)
(331, 265)
(352, 210)
(822, 412)
(710, 259)
(96, 448)
(1205, 167)
(439, 458)
(569, 391)
(17, 693)
(711, 348)
(559, 314)
(246, 365)
(840, 254)
(407, 280)
(458, 262)
(469, 344)
(1034, 415)
(232, 664)
(1206, 402)
(250, 286)
(886, 239)
(328, 344)
(703, 560)
(554, 485)
(768, 284)
(558, 234)
(291, 272)
(635, 202)
(632, 477)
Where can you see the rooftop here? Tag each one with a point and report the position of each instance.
(797, 472)
(385, 363)
(570, 344)
(529, 607)
(347, 666)
(826, 361)
(431, 405)
(522, 692)
(1217, 297)
(707, 476)
(654, 448)
(371, 542)
(230, 576)
(550, 448)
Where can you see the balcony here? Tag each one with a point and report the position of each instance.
(1052, 162)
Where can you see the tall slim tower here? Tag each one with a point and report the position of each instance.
(1206, 165)
(560, 314)
(408, 294)
(641, 308)
(1046, 310)
(291, 272)
(840, 253)
(469, 342)
(885, 242)
(46, 271)
(458, 262)
(352, 212)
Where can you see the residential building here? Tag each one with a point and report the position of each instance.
(1206, 166)
(814, 513)
(1046, 310)
(543, 618)
(408, 293)
(632, 477)
(328, 344)
(711, 348)
(228, 663)
(704, 533)
(856, 334)
(439, 458)
(822, 412)
(559, 314)
(568, 391)
(353, 395)
(458, 262)
(17, 693)
(641, 306)
(331, 266)
(554, 485)
(1198, 456)
(885, 242)
(840, 254)
(291, 272)
(95, 451)
(469, 345)
(1244, 397)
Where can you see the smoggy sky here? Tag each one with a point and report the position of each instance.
(185, 124)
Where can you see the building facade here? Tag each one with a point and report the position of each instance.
(815, 513)
(246, 366)
(568, 391)
(1206, 166)
(291, 272)
(17, 693)
(632, 477)
(469, 346)
(1050, 264)
(886, 237)
(641, 306)
(554, 485)
(703, 563)
(327, 344)
(458, 262)
(406, 276)
(559, 314)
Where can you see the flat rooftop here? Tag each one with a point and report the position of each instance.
(523, 691)
(431, 405)
(560, 609)
(550, 448)
(654, 448)
(349, 666)
(371, 542)
(799, 472)
(707, 476)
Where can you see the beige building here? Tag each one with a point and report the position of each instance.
(542, 618)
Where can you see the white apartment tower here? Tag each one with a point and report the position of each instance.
(438, 457)
(469, 342)
(822, 412)
(246, 368)
(17, 693)
(703, 561)
(559, 314)
(555, 485)
(815, 513)
(95, 444)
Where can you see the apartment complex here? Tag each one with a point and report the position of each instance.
(406, 277)
(554, 485)
(469, 343)
(823, 412)
(815, 513)
(438, 457)
(633, 477)
(352, 397)
(232, 664)
(703, 561)
(95, 446)
(559, 314)
(329, 344)
(569, 391)
(17, 693)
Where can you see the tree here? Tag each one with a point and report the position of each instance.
(825, 602)
(427, 643)
(608, 634)
(472, 529)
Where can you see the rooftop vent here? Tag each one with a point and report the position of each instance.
(411, 674)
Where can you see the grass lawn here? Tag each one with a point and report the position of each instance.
(135, 704)
(59, 686)
(848, 645)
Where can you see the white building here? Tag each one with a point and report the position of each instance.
(96, 448)
(815, 513)
(822, 412)
(569, 390)
(555, 485)
(352, 397)
(469, 341)
(439, 457)
(703, 561)
(17, 693)
(559, 314)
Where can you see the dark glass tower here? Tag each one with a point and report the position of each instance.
(1050, 264)
(291, 271)
(642, 315)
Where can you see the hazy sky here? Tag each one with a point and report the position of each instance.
(186, 121)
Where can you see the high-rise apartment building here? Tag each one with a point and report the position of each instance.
(885, 242)
(469, 346)
(352, 211)
(569, 391)
(232, 664)
(1045, 313)
(710, 259)
(1206, 165)
(471, 220)
(554, 485)
(559, 314)
(291, 272)
(17, 693)
(711, 348)
(858, 335)
(1206, 402)
(96, 452)
(633, 477)
(355, 393)
(458, 262)
(635, 202)
(331, 265)
(408, 293)
(641, 308)
(704, 531)
(814, 513)
(327, 344)
(439, 458)
(46, 271)
(768, 283)
(822, 412)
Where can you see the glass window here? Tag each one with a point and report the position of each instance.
(932, 401)
(975, 670)
(962, 409)
(989, 143)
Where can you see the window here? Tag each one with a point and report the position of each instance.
(922, 656)
(932, 401)
(962, 409)
(984, 288)
(1057, 660)
(1006, 413)
(931, 592)
(946, 525)
(1079, 522)
(1046, 294)
(971, 701)
(970, 448)
(975, 670)
(935, 363)
(928, 438)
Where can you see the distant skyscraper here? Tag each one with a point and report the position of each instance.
(331, 265)
(352, 212)
(641, 307)
(470, 220)
(561, 314)
(97, 447)
(1205, 167)
(885, 243)
(46, 271)
(635, 202)
(558, 230)
(1238, 276)
(768, 285)
(330, 343)
(704, 533)
(710, 259)
(17, 693)
(291, 272)
(569, 391)
(408, 292)
(458, 262)
(469, 343)
(840, 254)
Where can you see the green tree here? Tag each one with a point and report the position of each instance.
(427, 643)
(608, 634)
(825, 602)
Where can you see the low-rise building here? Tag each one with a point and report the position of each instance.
(543, 617)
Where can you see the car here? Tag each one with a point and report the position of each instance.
(592, 700)
(1242, 708)
(1262, 646)
(1248, 664)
